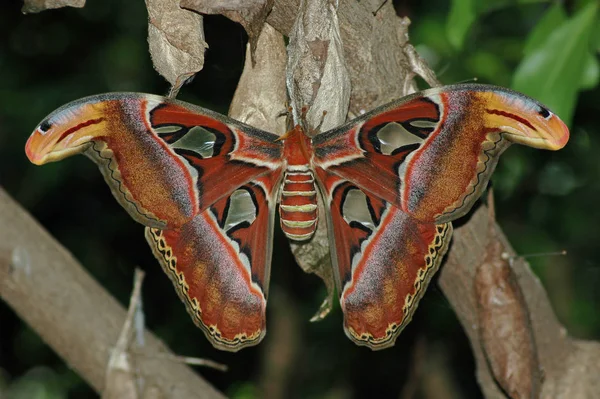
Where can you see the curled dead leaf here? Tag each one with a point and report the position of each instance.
(251, 14)
(33, 6)
(317, 77)
(260, 96)
(176, 40)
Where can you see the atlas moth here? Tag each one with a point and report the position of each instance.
(206, 188)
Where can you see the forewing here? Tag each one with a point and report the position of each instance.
(383, 260)
(219, 263)
(432, 153)
(165, 161)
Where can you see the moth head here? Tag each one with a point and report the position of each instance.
(525, 121)
(67, 131)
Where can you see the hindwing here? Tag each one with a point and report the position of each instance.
(383, 260)
(219, 263)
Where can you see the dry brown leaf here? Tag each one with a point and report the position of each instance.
(317, 77)
(260, 97)
(33, 6)
(251, 14)
(505, 327)
(176, 40)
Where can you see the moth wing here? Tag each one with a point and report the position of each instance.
(383, 260)
(432, 153)
(165, 160)
(219, 263)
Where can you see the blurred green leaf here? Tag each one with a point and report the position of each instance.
(582, 3)
(591, 73)
(489, 67)
(510, 172)
(596, 37)
(462, 15)
(431, 30)
(244, 391)
(490, 5)
(583, 316)
(553, 73)
(554, 17)
(38, 383)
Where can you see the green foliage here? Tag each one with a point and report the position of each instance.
(463, 13)
(558, 61)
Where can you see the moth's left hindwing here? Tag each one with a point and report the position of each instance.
(219, 263)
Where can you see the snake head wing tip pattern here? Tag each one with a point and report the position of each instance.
(207, 187)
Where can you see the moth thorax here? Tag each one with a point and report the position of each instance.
(298, 205)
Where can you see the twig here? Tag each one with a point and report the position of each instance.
(191, 361)
(120, 374)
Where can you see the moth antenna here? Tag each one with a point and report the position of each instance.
(511, 259)
(474, 79)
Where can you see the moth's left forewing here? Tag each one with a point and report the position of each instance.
(223, 153)
(383, 260)
(220, 262)
(164, 160)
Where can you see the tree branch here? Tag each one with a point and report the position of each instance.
(74, 314)
(570, 367)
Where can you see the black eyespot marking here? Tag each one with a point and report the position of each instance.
(45, 126)
(544, 112)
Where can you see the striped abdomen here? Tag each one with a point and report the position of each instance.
(298, 205)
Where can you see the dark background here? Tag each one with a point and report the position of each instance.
(545, 202)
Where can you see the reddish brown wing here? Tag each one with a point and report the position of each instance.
(224, 153)
(203, 184)
(219, 263)
(432, 153)
(383, 260)
(165, 160)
